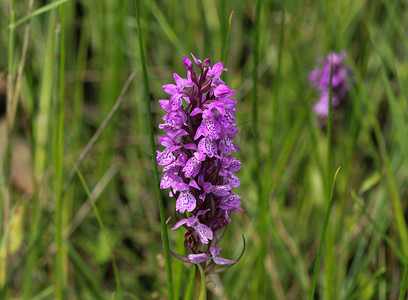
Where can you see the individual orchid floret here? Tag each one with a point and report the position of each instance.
(320, 79)
(214, 252)
(197, 160)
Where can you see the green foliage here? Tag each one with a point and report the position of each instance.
(93, 231)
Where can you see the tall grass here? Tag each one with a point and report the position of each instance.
(81, 221)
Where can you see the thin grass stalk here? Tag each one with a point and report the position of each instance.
(25, 258)
(101, 226)
(319, 253)
(259, 279)
(207, 45)
(7, 155)
(17, 87)
(154, 161)
(81, 266)
(37, 12)
(404, 283)
(275, 100)
(98, 132)
(329, 240)
(274, 112)
(164, 24)
(59, 153)
(227, 39)
(221, 20)
(329, 197)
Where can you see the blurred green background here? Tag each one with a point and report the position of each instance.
(284, 185)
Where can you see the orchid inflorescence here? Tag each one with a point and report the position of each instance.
(320, 79)
(197, 160)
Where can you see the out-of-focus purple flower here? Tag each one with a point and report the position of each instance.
(320, 79)
(197, 160)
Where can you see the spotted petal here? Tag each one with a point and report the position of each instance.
(204, 232)
(165, 158)
(199, 258)
(185, 201)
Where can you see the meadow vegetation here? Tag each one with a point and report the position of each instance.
(79, 217)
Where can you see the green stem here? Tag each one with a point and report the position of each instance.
(226, 46)
(329, 241)
(319, 253)
(7, 155)
(403, 283)
(190, 287)
(263, 202)
(59, 153)
(154, 161)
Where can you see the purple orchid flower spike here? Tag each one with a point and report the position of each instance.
(320, 79)
(197, 158)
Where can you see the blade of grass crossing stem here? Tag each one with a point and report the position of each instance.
(164, 24)
(58, 155)
(329, 272)
(365, 284)
(325, 224)
(227, 38)
(403, 283)
(101, 226)
(44, 294)
(99, 131)
(153, 154)
(37, 12)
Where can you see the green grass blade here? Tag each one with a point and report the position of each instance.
(37, 12)
(358, 293)
(154, 161)
(329, 259)
(322, 237)
(98, 132)
(226, 46)
(102, 227)
(84, 271)
(164, 24)
(404, 282)
(58, 159)
(44, 294)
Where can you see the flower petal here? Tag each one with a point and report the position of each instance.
(185, 201)
(199, 258)
(192, 167)
(204, 232)
(165, 158)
